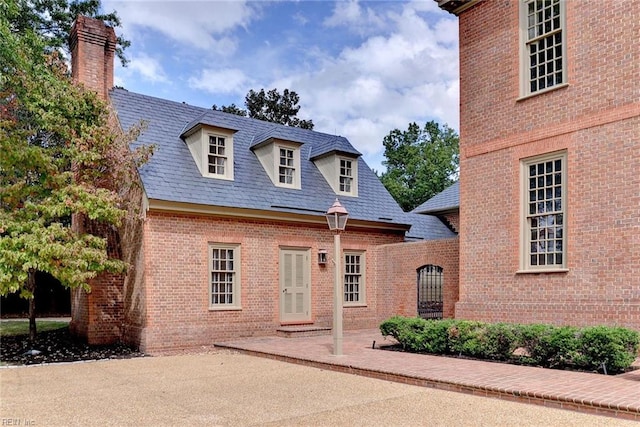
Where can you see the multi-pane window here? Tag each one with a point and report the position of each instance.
(544, 41)
(287, 169)
(224, 283)
(346, 175)
(545, 212)
(353, 277)
(217, 158)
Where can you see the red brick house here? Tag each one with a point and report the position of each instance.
(234, 228)
(549, 161)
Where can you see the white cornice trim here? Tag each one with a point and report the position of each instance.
(155, 205)
(456, 11)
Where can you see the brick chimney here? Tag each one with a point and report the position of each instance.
(96, 316)
(93, 45)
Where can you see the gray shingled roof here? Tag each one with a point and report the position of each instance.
(426, 227)
(447, 200)
(172, 174)
(278, 132)
(337, 144)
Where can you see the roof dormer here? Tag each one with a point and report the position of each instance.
(211, 147)
(337, 160)
(279, 155)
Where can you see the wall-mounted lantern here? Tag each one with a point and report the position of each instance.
(322, 256)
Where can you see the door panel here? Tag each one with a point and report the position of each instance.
(295, 289)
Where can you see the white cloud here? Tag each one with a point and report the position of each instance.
(351, 15)
(149, 68)
(229, 81)
(386, 82)
(199, 24)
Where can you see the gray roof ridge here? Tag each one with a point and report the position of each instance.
(193, 123)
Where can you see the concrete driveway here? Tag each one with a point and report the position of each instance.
(237, 390)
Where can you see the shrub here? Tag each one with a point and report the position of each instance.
(499, 341)
(462, 336)
(417, 334)
(434, 336)
(406, 330)
(548, 346)
(616, 348)
(545, 345)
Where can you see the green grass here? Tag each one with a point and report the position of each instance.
(21, 327)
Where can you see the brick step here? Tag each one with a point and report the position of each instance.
(296, 331)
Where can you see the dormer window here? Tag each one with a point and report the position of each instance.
(281, 161)
(346, 176)
(217, 156)
(212, 150)
(287, 170)
(340, 171)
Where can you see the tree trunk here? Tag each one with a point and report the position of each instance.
(31, 287)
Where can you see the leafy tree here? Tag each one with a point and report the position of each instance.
(232, 109)
(53, 19)
(420, 162)
(61, 156)
(271, 106)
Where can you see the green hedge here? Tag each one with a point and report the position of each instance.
(590, 348)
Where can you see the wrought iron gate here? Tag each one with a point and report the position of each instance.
(430, 292)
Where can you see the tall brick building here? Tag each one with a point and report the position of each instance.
(550, 161)
(234, 240)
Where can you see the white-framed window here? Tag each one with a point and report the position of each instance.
(224, 277)
(217, 160)
(354, 278)
(544, 187)
(287, 165)
(286, 168)
(346, 176)
(543, 54)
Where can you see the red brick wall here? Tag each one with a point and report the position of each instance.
(397, 275)
(454, 220)
(176, 278)
(596, 119)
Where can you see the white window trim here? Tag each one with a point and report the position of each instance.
(525, 88)
(362, 302)
(237, 262)
(525, 228)
(354, 176)
(228, 170)
(296, 165)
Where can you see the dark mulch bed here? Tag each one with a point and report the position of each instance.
(58, 346)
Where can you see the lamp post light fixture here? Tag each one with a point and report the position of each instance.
(337, 219)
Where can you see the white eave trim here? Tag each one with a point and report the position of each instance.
(240, 213)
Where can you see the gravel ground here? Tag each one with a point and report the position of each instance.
(57, 346)
(224, 389)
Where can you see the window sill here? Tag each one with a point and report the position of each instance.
(216, 176)
(543, 270)
(354, 305)
(540, 92)
(229, 308)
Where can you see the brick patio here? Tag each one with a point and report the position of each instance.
(615, 396)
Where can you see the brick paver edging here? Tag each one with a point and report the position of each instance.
(590, 407)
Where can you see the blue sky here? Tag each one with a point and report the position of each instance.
(361, 68)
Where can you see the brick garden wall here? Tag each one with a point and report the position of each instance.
(397, 275)
(596, 119)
